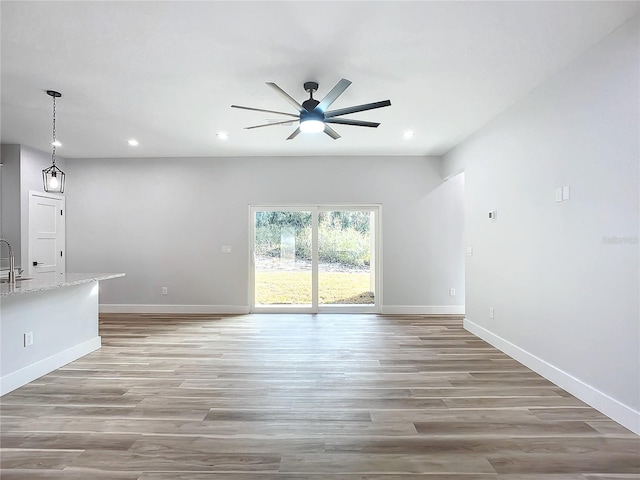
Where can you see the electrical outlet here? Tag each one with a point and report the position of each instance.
(28, 339)
(452, 292)
(490, 312)
(165, 290)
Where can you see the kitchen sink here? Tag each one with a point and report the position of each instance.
(18, 280)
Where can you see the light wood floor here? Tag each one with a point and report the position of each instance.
(303, 397)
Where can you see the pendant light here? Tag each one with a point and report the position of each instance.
(53, 177)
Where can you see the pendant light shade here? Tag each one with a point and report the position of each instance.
(53, 177)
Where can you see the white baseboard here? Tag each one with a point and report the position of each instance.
(141, 308)
(21, 377)
(423, 309)
(244, 309)
(624, 415)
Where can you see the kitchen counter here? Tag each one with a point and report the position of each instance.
(46, 324)
(66, 280)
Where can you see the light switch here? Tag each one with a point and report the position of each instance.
(469, 251)
(225, 249)
(566, 192)
(558, 194)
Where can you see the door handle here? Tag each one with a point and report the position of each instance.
(35, 264)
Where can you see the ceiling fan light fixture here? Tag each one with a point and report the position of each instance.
(311, 121)
(312, 126)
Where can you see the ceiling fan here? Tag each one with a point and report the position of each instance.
(313, 114)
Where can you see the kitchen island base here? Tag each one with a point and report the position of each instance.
(60, 323)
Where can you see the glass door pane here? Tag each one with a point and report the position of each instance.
(346, 257)
(282, 258)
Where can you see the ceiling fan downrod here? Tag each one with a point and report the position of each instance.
(312, 103)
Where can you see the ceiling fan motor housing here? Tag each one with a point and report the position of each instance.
(310, 104)
(312, 114)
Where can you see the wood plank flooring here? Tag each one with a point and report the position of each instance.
(303, 397)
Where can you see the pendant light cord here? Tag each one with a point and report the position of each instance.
(53, 154)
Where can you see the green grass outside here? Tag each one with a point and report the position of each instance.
(294, 288)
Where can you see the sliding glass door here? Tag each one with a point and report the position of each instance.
(315, 258)
(345, 250)
(282, 258)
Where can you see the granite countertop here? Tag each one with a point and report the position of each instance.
(66, 280)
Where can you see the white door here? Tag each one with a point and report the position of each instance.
(46, 235)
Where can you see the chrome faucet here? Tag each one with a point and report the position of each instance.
(12, 264)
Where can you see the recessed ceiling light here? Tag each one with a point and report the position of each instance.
(56, 144)
(222, 135)
(408, 134)
(133, 142)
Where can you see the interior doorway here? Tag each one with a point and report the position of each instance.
(318, 258)
(46, 235)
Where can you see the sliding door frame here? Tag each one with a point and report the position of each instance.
(376, 261)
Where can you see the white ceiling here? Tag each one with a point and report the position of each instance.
(166, 73)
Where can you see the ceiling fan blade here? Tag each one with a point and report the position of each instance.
(285, 95)
(357, 108)
(331, 132)
(335, 92)
(346, 121)
(266, 111)
(294, 134)
(270, 124)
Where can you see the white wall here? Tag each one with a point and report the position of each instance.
(563, 277)
(162, 221)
